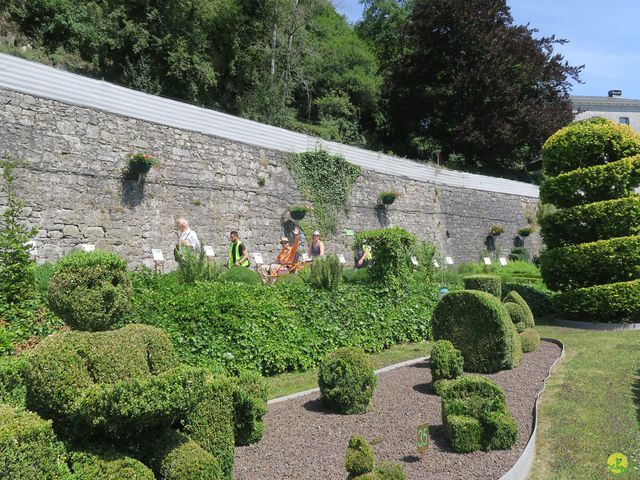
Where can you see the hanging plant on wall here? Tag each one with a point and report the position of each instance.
(496, 230)
(326, 181)
(298, 212)
(139, 164)
(387, 198)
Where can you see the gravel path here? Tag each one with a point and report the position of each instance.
(304, 441)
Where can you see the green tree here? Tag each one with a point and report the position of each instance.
(17, 271)
(478, 84)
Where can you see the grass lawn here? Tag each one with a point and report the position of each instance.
(288, 383)
(591, 407)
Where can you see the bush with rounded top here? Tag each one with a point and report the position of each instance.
(589, 264)
(515, 297)
(588, 142)
(516, 312)
(520, 326)
(592, 222)
(446, 361)
(464, 433)
(592, 184)
(530, 339)
(485, 283)
(90, 291)
(29, 448)
(538, 297)
(249, 405)
(390, 471)
(613, 302)
(12, 383)
(107, 466)
(479, 326)
(359, 459)
(346, 380)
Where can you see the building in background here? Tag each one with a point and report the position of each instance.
(621, 110)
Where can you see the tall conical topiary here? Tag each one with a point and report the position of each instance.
(593, 239)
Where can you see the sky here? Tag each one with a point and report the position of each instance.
(603, 36)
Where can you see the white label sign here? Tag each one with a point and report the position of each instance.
(33, 250)
(487, 261)
(436, 264)
(414, 261)
(341, 259)
(503, 261)
(208, 250)
(157, 255)
(448, 260)
(258, 258)
(86, 247)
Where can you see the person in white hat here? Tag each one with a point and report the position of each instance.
(317, 246)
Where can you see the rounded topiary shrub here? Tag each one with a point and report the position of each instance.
(515, 297)
(446, 361)
(29, 448)
(478, 325)
(90, 291)
(516, 312)
(485, 283)
(530, 340)
(346, 380)
(108, 465)
(359, 459)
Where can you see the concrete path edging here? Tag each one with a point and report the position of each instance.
(612, 327)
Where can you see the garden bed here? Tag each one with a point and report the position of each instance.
(303, 440)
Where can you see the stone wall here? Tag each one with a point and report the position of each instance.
(75, 193)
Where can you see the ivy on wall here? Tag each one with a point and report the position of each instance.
(326, 181)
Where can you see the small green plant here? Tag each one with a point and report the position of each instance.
(17, 271)
(196, 202)
(387, 198)
(262, 181)
(326, 272)
(346, 380)
(359, 459)
(140, 163)
(240, 275)
(195, 266)
(298, 212)
(496, 230)
(530, 340)
(446, 361)
(526, 231)
(519, 254)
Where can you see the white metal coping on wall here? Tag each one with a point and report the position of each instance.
(47, 82)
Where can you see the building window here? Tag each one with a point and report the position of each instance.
(624, 120)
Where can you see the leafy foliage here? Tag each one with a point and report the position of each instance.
(240, 275)
(96, 465)
(346, 380)
(530, 339)
(17, 277)
(195, 266)
(326, 272)
(90, 291)
(527, 315)
(326, 180)
(359, 459)
(446, 361)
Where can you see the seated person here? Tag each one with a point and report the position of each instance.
(317, 246)
(284, 260)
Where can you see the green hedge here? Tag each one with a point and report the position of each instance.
(479, 326)
(592, 184)
(485, 283)
(107, 466)
(530, 339)
(588, 142)
(90, 291)
(240, 275)
(29, 448)
(516, 313)
(347, 381)
(538, 297)
(288, 326)
(614, 302)
(12, 383)
(249, 405)
(446, 361)
(589, 264)
(589, 223)
(514, 297)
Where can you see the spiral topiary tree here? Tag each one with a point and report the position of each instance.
(593, 239)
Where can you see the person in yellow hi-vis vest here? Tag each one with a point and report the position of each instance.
(238, 253)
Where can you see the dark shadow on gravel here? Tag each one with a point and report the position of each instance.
(425, 388)
(411, 458)
(436, 435)
(316, 406)
(424, 364)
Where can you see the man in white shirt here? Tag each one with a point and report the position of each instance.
(186, 236)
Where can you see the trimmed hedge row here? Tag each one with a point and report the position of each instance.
(614, 302)
(592, 184)
(288, 326)
(593, 222)
(485, 283)
(538, 297)
(478, 325)
(588, 142)
(589, 264)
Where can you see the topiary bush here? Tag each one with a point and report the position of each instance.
(527, 317)
(107, 466)
(240, 275)
(586, 143)
(475, 415)
(446, 361)
(346, 380)
(12, 383)
(485, 283)
(516, 313)
(593, 243)
(326, 272)
(359, 459)
(389, 471)
(479, 326)
(29, 448)
(538, 297)
(250, 405)
(530, 339)
(90, 291)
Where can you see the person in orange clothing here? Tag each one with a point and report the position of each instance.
(284, 260)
